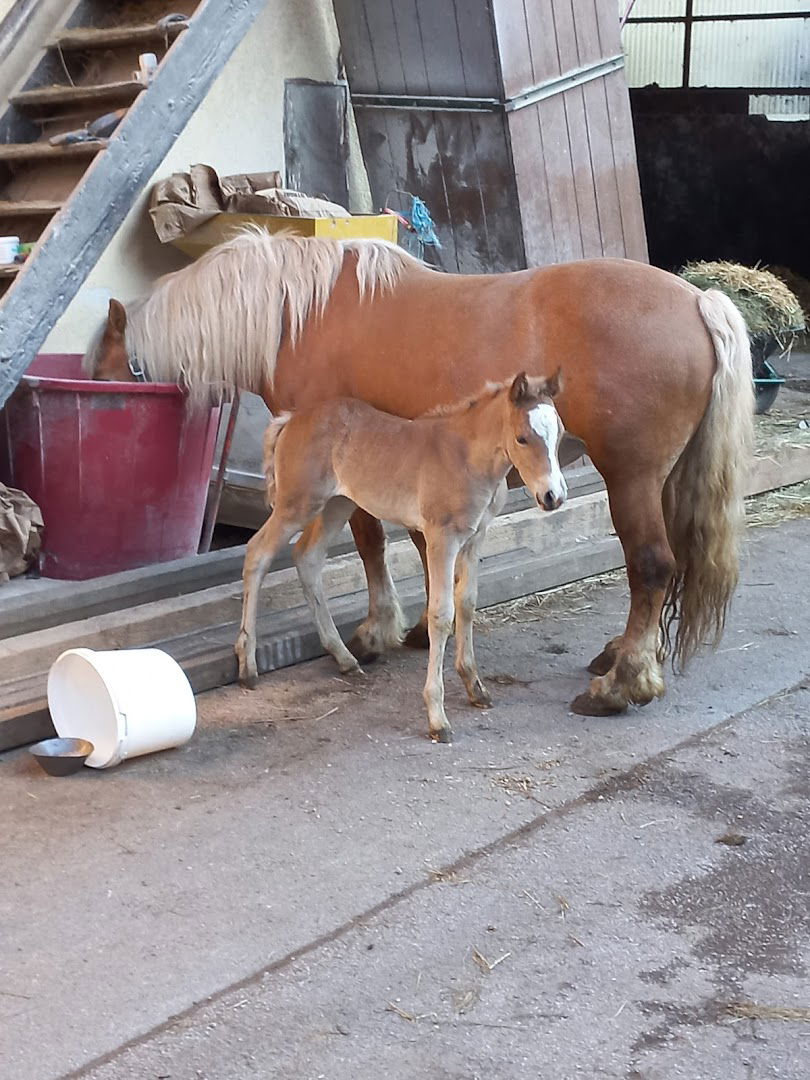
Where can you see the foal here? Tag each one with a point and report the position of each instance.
(443, 475)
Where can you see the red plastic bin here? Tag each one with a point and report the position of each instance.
(119, 470)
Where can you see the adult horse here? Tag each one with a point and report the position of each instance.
(657, 384)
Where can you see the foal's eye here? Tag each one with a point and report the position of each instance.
(522, 440)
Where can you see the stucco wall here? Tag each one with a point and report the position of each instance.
(237, 128)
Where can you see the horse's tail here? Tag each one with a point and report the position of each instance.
(274, 429)
(703, 496)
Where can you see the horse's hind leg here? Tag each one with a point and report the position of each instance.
(262, 548)
(636, 674)
(310, 555)
(466, 596)
(385, 623)
(417, 637)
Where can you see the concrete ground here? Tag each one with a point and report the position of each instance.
(311, 889)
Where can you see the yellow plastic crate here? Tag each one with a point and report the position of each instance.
(222, 227)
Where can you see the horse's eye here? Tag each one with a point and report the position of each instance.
(522, 440)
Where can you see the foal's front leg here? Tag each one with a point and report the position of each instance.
(466, 597)
(442, 551)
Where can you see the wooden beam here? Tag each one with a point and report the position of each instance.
(85, 38)
(57, 98)
(29, 208)
(71, 245)
(42, 151)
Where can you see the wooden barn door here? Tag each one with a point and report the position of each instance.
(510, 118)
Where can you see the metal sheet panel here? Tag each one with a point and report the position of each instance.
(654, 53)
(770, 52)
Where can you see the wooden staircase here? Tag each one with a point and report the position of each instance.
(85, 71)
(67, 199)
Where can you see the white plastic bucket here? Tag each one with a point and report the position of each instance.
(126, 703)
(8, 249)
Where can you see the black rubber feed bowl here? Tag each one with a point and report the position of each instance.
(61, 757)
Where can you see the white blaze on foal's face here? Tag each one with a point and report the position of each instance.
(546, 424)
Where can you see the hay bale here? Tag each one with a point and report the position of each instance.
(767, 304)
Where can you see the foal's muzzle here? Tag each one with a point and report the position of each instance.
(550, 501)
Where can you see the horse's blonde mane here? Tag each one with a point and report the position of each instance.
(219, 322)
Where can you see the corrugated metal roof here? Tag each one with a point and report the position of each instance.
(726, 53)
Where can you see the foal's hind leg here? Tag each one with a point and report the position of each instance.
(441, 551)
(466, 596)
(310, 555)
(636, 675)
(262, 548)
(385, 623)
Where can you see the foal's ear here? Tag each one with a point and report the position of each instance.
(555, 384)
(117, 317)
(519, 390)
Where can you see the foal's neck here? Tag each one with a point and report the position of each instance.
(483, 426)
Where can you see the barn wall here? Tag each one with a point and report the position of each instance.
(237, 128)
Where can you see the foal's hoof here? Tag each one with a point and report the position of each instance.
(248, 681)
(417, 638)
(355, 671)
(481, 699)
(362, 652)
(588, 705)
(443, 735)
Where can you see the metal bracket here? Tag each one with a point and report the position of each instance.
(546, 89)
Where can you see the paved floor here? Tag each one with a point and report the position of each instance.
(310, 889)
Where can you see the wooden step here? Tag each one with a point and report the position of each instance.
(84, 38)
(10, 270)
(42, 151)
(52, 99)
(29, 208)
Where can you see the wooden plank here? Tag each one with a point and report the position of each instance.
(31, 208)
(529, 161)
(540, 18)
(514, 51)
(87, 38)
(442, 47)
(409, 40)
(599, 141)
(34, 152)
(10, 270)
(379, 15)
(101, 201)
(624, 157)
(559, 169)
(479, 54)
(52, 99)
(356, 46)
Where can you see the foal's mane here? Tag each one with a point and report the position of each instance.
(489, 391)
(221, 320)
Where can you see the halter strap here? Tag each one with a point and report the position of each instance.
(136, 369)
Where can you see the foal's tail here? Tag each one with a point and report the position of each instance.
(703, 497)
(274, 429)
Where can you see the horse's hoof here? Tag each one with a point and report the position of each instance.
(361, 651)
(249, 682)
(417, 638)
(601, 664)
(443, 735)
(588, 705)
(354, 671)
(481, 700)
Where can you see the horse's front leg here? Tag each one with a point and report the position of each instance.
(442, 551)
(635, 675)
(385, 623)
(262, 548)
(417, 637)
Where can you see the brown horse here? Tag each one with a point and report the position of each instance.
(657, 385)
(443, 476)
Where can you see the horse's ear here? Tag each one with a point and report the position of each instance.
(117, 317)
(555, 384)
(519, 390)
